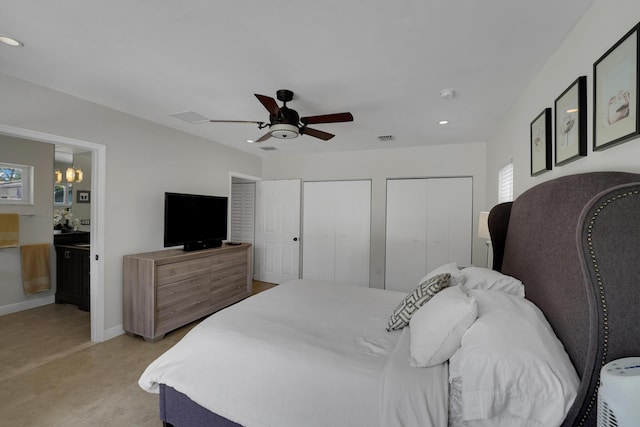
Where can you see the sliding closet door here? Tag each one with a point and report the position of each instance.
(406, 249)
(336, 231)
(429, 223)
(449, 221)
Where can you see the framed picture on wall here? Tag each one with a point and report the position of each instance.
(571, 122)
(541, 143)
(615, 93)
(83, 196)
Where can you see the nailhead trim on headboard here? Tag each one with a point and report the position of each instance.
(603, 299)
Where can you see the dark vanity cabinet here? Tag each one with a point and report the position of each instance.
(72, 270)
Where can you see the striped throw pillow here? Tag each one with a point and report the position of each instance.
(416, 299)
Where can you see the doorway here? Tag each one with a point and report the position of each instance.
(98, 157)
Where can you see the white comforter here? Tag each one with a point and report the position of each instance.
(305, 354)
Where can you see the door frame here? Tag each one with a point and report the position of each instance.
(98, 178)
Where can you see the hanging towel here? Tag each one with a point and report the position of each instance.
(9, 223)
(35, 268)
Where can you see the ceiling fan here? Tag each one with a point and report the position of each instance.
(285, 123)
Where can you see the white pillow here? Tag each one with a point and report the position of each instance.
(456, 276)
(484, 278)
(437, 327)
(512, 365)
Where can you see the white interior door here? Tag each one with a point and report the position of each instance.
(337, 231)
(277, 246)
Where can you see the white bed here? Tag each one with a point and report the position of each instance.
(336, 363)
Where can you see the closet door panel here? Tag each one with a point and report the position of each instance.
(318, 246)
(406, 249)
(353, 229)
(449, 212)
(336, 231)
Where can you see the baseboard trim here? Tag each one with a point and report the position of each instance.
(26, 305)
(113, 332)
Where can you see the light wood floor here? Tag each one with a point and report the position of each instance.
(51, 374)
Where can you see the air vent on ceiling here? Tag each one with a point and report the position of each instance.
(385, 138)
(268, 148)
(190, 116)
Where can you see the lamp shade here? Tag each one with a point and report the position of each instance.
(483, 226)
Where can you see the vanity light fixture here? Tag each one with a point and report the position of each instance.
(70, 174)
(10, 41)
(58, 176)
(74, 175)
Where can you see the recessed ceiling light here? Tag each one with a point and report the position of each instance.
(11, 41)
(443, 122)
(250, 141)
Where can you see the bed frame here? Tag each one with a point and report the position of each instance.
(575, 243)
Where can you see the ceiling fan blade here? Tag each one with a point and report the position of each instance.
(327, 118)
(264, 137)
(269, 103)
(316, 133)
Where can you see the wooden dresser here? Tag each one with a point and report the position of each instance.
(167, 289)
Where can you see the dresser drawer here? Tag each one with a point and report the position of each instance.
(177, 271)
(190, 288)
(225, 261)
(181, 313)
(224, 277)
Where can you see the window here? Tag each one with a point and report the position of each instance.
(62, 194)
(16, 184)
(505, 184)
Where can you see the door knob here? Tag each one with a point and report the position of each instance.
(295, 239)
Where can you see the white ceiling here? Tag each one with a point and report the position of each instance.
(384, 61)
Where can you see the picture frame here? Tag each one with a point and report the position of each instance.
(571, 122)
(615, 92)
(83, 196)
(540, 141)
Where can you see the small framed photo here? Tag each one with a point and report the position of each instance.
(615, 93)
(571, 122)
(83, 196)
(541, 143)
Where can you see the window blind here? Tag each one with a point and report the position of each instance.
(505, 184)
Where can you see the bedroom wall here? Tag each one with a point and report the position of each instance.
(378, 165)
(143, 160)
(35, 221)
(600, 28)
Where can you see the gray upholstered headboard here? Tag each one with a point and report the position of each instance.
(575, 244)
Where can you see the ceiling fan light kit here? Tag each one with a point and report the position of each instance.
(286, 123)
(283, 131)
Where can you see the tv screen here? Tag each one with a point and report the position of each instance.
(195, 221)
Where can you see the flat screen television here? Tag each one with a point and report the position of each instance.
(194, 221)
